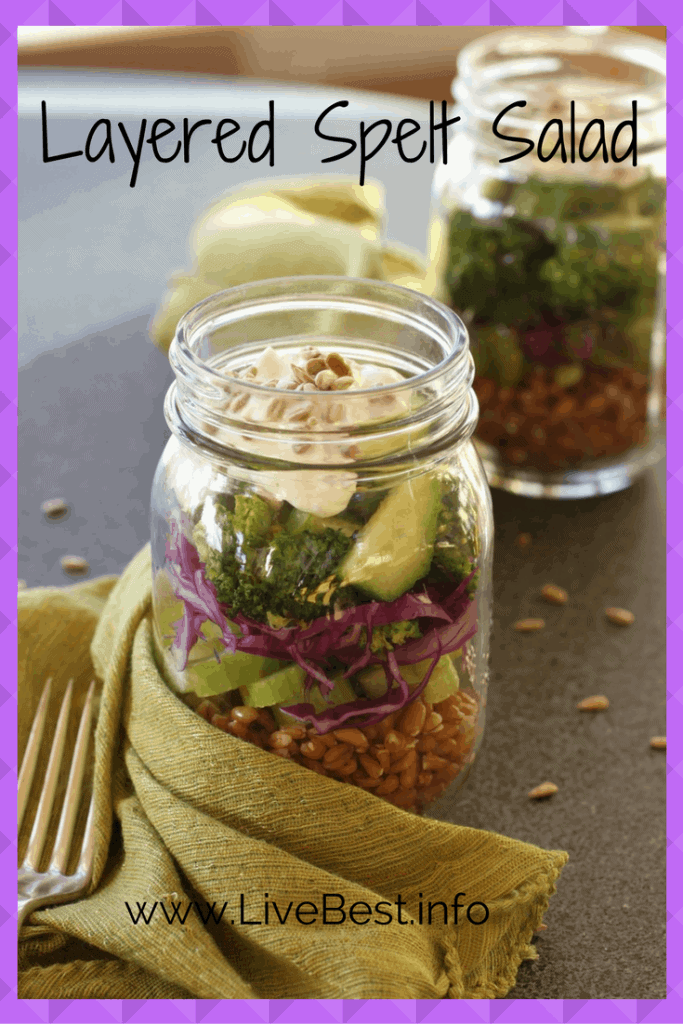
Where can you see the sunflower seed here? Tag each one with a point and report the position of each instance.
(314, 366)
(301, 414)
(310, 352)
(276, 409)
(325, 379)
(300, 375)
(239, 403)
(338, 365)
(342, 383)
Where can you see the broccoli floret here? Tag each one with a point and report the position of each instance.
(385, 638)
(252, 519)
(494, 269)
(456, 546)
(262, 569)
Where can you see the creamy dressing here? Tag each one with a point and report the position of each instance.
(318, 492)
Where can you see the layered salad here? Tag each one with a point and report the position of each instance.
(559, 290)
(321, 615)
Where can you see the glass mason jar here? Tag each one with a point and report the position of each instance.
(557, 268)
(322, 550)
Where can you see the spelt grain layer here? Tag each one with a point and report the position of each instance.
(541, 425)
(408, 759)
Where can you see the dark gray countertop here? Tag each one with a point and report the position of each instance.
(91, 430)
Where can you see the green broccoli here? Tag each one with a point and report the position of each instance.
(494, 269)
(253, 519)
(262, 568)
(569, 254)
(456, 547)
(385, 638)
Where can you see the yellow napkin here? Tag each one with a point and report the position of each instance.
(201, 817)
(280, 228)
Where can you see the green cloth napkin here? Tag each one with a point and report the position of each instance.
(283, 228)
(201, 817)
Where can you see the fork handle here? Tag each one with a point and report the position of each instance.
(26, 907)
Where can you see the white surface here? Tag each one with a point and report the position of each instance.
(94, 252)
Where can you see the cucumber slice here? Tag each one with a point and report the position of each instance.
(394, 549)
(204, 674)
(287, 687)
(283, 687)
(442, 683)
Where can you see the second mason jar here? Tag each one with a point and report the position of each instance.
(322, 532)
(555, 257)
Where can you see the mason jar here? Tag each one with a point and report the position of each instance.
(556, 267)
(322, 532)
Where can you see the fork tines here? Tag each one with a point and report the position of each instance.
(72, 796)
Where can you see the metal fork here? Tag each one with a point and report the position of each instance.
(36, 888)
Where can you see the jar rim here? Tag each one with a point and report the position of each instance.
(257, 294)
(204, 404)
(474, 73)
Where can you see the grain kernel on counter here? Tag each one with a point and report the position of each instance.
(595, 703)
(620, 616)
(544, 790)
(523, 540)
(529, 625)
(54, 508)
(554, 594)
(74, 565)
(658, 742)
(21, 584)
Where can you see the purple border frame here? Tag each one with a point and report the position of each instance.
(340, 12)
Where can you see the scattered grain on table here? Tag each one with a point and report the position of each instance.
(54, 508)
(554, 594)
(529, 625)
(620, 616)
(595, 703)
(658, 742)
(74, 565)
(542, 791)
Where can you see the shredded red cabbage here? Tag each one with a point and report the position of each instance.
(198, 594)
(448, 622)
